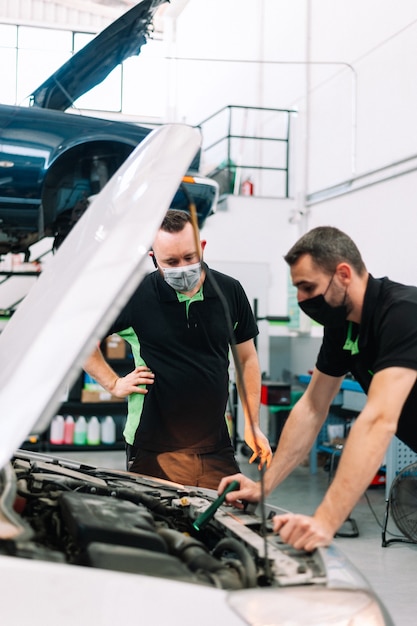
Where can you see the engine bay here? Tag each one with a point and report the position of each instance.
(57, 510)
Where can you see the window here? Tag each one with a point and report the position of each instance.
(29, 55)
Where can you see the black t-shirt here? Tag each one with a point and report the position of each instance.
(387, 338)
(186, 345)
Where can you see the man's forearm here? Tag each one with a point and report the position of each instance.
(250, 391)
(250, 398)
(361, 458)
(98, 368)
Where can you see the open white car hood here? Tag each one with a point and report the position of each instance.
(86, 284)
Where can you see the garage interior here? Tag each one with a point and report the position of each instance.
(307, 118)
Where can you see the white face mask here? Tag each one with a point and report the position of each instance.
(182, 279)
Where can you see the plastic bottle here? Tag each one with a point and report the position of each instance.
(80, 431)
(69, 427)
(108, 430)
(93, 431)
(56, 435)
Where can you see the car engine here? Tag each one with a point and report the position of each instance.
(58, 510)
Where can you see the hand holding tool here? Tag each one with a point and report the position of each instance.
(203, 519)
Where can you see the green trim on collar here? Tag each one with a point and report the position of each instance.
(197, 297)
(350, 344)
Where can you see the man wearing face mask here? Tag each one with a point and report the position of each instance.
(370, 330)
(176, 325)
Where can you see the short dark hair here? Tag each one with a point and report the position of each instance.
(175, 221)
(327, 246)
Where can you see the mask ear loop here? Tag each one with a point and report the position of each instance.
(239, 373)
(328, 286)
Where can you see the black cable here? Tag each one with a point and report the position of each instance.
(372, 510)
(380, 524)
(229, 325)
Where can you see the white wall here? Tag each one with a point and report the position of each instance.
(378, 39)
(253, 230)
(382, 221)
(357, 96)
(268, 33)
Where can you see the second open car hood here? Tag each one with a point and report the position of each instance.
(92, 64)
(86, 284)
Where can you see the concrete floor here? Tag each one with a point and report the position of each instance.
(391, 571)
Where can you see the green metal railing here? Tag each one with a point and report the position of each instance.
(241, 142)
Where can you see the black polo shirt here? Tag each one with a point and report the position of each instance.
(186, 345)
(387, 337)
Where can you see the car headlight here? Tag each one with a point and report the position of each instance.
(312, 606)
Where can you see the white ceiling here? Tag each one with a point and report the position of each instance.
(99, 5)
(91, 15)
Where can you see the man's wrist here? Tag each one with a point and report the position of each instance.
(112, 388)
(329, 517)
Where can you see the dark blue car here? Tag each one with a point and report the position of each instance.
(52, 161)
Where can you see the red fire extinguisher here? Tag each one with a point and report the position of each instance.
(247, 187)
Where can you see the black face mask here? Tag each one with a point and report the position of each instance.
(321, 312)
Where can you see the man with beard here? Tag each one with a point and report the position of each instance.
(370, 330)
